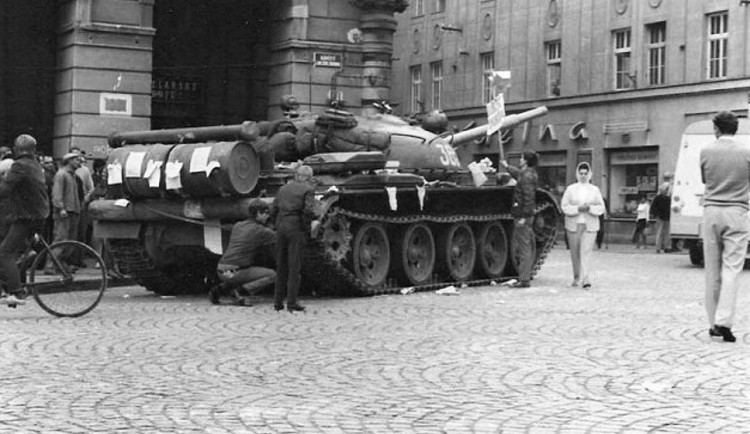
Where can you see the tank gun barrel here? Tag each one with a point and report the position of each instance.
(247, 131)
(509, 121)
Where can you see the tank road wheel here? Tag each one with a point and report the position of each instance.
(371, 254)
(457, 251)
(415, 259)
(492, 250)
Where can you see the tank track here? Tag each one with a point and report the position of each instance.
(332, 278)
(132, 259)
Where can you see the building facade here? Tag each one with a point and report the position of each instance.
(621, 78)
(74, 71)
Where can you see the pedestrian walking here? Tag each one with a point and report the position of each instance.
(293, 212)
(582, 204)
(660, 210)
(641, 223)
(66, 204)
(725, 170)
(242, 264)
(28, 207)
(524, 205)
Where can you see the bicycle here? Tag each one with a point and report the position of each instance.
(60, 289)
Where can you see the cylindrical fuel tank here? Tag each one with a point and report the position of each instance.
(141, 165)
(214, 169)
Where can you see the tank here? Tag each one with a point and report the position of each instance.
(397, 207)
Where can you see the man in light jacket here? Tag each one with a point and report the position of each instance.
(582, 204)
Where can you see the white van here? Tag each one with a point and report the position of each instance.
(688, 188)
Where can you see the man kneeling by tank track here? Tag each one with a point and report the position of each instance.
(251, 245)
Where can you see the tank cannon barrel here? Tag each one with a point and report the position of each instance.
(246, 131)
(509, 121)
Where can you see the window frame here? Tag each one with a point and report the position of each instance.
(717, 65)
(439, 6)
(553, 51)
(415, 89)
(418, 8)
(487, 68)
(622, 49)
(436, 85)
(656, 49)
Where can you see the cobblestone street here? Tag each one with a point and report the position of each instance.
(632, 355)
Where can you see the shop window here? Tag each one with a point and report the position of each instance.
(553, 172)
(632, 174)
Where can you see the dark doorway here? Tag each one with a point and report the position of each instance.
(210, 62)
(27, 70)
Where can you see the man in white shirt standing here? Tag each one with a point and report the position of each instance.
(725, 169)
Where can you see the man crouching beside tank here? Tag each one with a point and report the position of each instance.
(249, 244)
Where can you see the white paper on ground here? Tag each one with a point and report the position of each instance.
(448, 290)
(392, 201)
(114, 173)
(133, 164)
(199, 160)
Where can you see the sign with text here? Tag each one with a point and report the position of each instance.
(115, 104)
(495, 114)
(327, 60)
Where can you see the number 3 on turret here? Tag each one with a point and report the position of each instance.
(448, 155)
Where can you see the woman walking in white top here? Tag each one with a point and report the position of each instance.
(582, 204)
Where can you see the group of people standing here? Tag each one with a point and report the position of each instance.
(248, 262)
(725, 170)
(582, 203)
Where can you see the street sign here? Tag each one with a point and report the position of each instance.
(327, 60)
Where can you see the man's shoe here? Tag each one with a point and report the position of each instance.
(295, 308)
(713, 332)
(521, 284)
(726, 333)
(278, 307)
(12, 300)
(586, 285)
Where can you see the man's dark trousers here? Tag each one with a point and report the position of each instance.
(11, 248)
(290, 245)
(524, 239)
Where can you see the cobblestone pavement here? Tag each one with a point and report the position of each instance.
(632, 355)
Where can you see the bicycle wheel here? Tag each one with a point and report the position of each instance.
(68, 279)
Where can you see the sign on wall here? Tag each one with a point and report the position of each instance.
(327, 60)
(115, 104)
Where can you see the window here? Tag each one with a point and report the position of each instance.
(622, 59)
(488, 65)
(439, 5)
(418, 7)
(415, 98)
(717, 45)
(657, 38)
(554, 68)
(436, 71)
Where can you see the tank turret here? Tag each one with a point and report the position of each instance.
(397, 207)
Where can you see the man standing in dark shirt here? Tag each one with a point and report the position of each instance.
(660, 210)
(524, 204)
(293, 212)
(240, 264)
(28, 206)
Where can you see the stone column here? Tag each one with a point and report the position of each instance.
(378, 26)
(104, 66)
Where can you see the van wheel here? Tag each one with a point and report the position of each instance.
(696, 254)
